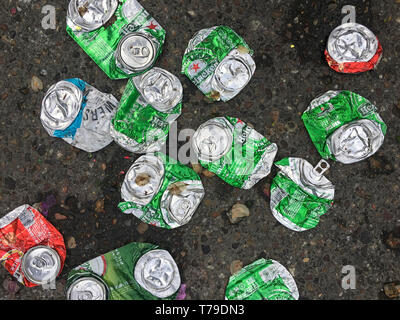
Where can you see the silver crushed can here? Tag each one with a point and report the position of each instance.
(89, 15)
(156, 271)
(87, 288)
(41, 265)
(79, 114)
(136, 52)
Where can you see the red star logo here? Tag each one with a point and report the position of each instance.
(195, 67)
(152, 26)
(240, 121)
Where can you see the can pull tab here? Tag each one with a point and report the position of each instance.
(139, 52)
(320, 169)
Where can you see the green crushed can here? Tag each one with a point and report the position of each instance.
(262, 280)
(344, 126)
(300, 194)
(150, 104)
(234, 151)
(122, 39)
(137, 271)
(219, 62)
(161, 191)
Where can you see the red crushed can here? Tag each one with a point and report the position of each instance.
(353, 48)
(31, 248)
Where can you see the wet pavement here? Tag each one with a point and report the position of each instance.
(288, 38)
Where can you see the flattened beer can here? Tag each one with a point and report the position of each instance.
(161, 192)
(300, 194)
(123, 40)
(150, 104)
(234, 151)
(262, 280)
(353, 48)
(219, 62)
(31, 249)
(137, 271)
(79, 114)
(344, 126)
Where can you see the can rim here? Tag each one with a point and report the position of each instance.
(24, 267)
(101, 284)
(169, 217)
(73, 12)
(376, 140)
(176, 279)
(176, 84)
(55, 87)
(227, 128)
(121, 43)
(149, 160)
(360, 29)
(237, 57)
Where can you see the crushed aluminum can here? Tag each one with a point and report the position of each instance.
(150, 104)
(31, 249)
(344, 126)
(300, 194)
(161, 192)
(84, 15)
(87, 288)
(129, 46)
(234, 151)
(41, 265)
(219, 62)
(262, 280)
(137, 271)
(353, 48)
(79, 114)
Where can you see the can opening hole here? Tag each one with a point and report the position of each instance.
(319, 170)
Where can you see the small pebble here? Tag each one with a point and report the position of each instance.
(60, 216)
(142, 227)
(236, 266)
(36, 84)
(71, 243)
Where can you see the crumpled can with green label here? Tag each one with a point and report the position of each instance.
(137, 271)
(300, 194)
(161, 191)
(344, 126)
(219, 62)
(234, 151)
(122, 39)
(150, 104)
(262, 280)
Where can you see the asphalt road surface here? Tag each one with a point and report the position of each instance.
(288, 38)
